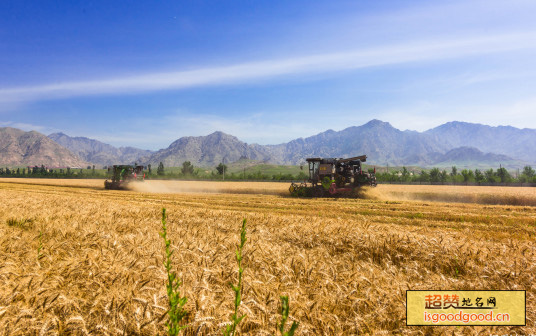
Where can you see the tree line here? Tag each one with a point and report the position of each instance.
(435, 175)
(189, 171)
(42, 171)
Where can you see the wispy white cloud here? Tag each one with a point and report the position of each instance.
(262, 70)
(494, 75)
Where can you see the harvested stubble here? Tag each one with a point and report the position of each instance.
(344, 263)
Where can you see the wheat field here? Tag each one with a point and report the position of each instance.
(76, 259)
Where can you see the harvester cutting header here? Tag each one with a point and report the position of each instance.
(334, 176)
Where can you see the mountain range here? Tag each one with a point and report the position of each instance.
(454, 143)
(458, 143)
(98, 152)
(19, 148)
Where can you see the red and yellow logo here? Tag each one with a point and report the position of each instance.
(440, 307)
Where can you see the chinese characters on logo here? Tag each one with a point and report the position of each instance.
(446, 301)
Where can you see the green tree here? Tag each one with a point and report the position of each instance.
(221, 168)
(405, 174)
(453, 173)
(434, 175)
(479, 177)
(490, 176)
(443, 176)
(424, 176)
(467, 175)
(503, 175)
(187, 168)
(149, 167)
(160, 169)
(528, 174)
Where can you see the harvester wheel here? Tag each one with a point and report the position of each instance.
(333, 189)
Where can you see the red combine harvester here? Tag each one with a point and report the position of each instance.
(122, 175)
(330, 177)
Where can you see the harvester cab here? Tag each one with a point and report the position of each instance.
(121, 175)
(333, 176)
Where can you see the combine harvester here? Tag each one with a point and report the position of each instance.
(331, 177)
(122, 175)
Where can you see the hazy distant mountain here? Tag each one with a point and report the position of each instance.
(98, 152)
(208, 150)
(458, 143)
(380, 141)
(471, 153)
(454, 143)
(474, 158)
(510, 141)
(19, 148)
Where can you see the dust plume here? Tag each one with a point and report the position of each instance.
(372, 193)
(174, 187)
(427, 193)
(523, 196)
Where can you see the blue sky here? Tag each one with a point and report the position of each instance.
(145, 73)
